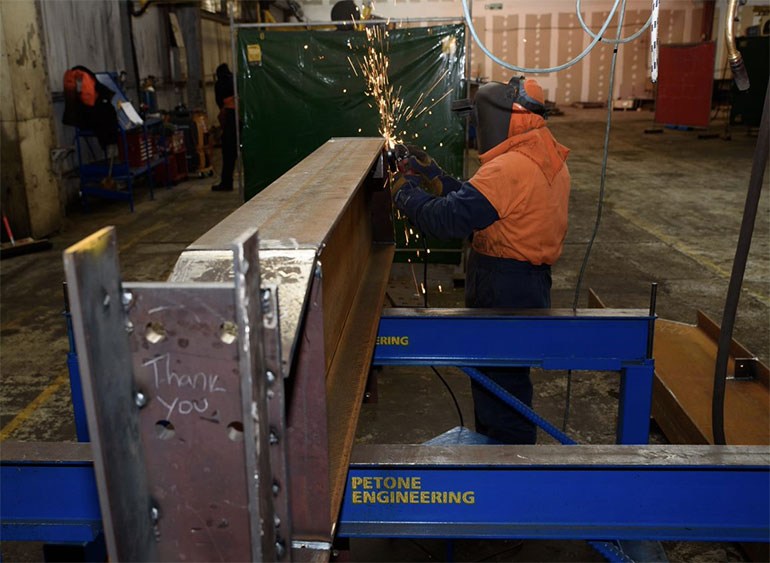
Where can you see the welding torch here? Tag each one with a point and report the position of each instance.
(734, 57)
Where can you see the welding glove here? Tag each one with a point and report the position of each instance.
(405, 189)
(421, 162)
(435, 180)
(404, 180)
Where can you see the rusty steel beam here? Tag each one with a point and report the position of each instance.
(681, 401)
(236, 385)
(681, 394)
(326, 242)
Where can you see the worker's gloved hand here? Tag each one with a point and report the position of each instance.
(421, 163)
(404, 180)
(406, 191)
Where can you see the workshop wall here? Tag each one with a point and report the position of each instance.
(547, 33)
(30, 193)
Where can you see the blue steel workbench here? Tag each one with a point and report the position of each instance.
(629, 491)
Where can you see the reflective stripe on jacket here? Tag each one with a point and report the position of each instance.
(526, 180)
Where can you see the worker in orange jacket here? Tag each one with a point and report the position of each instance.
(515, 207)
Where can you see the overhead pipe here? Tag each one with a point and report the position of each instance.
(734, 57)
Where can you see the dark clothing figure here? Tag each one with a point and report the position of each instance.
(225, 98)
(88, 105)
(493, 283)
(515, 207)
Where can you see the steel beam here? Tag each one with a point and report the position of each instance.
(589, 339)
(690, 493)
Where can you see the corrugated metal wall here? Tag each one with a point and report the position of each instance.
(215, 39)
(94, 33)
(85, 32)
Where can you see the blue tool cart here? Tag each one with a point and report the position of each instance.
(141, 148)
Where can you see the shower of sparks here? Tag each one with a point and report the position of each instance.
(386, 98)
(414, 277)
(373, 66)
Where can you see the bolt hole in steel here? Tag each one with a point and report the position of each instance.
(164, 430)
(154, 332)
(228, 332)
(235, 431)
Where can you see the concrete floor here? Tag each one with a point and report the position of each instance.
(672, 213)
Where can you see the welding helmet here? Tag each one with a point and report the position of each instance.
(495, 106)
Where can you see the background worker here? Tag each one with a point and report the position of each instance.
(225, 97)
(515, 207)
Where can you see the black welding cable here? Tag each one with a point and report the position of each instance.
(565, 421)
(451, 393)
(736, 277)
(425, 270)
(425, 285)
(600, 205)
(448, 388)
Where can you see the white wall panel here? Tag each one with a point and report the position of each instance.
(545, 24)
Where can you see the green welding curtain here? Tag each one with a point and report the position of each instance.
(298, 88)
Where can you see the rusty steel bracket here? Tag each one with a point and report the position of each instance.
(746, 369)
(176, 384)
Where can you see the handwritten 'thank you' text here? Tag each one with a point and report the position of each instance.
(165, 378)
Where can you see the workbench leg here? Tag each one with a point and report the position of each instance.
(635, 404)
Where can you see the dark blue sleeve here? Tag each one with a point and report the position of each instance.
(449, 184)
(455, 216)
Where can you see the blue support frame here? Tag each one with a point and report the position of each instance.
(591, 339)
(56, 501)
(705, 503)
(52, 502)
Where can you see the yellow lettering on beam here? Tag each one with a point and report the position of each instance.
(469, 497)
(356, 497)
(356, 482)
(392, 341)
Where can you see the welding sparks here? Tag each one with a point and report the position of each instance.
(374, 66)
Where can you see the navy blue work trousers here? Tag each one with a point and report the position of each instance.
(505, 283)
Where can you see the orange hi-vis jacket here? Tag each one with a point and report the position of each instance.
(526, 180)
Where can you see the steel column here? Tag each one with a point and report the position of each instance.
(635, 403)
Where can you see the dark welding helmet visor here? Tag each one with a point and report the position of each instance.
(493, 106)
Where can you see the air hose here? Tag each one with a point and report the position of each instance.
(736, 277)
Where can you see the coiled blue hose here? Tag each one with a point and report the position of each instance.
(610, 552)
(519, 406)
